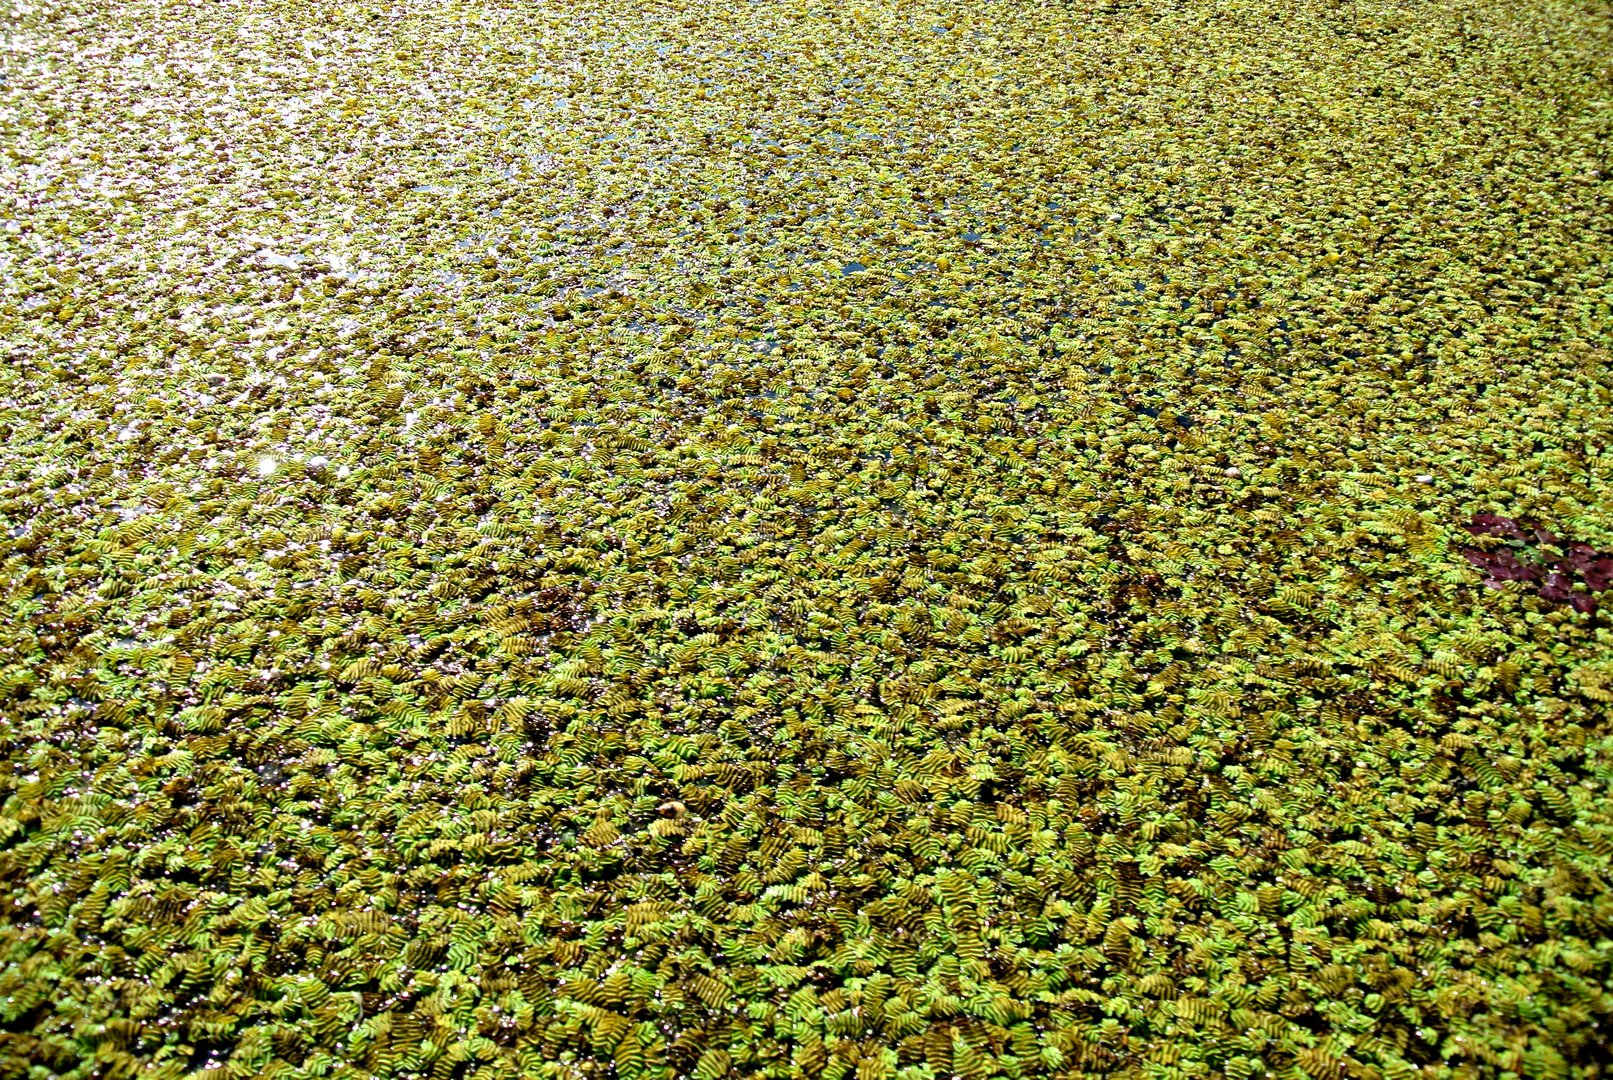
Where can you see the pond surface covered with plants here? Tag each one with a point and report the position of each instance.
(789, 538)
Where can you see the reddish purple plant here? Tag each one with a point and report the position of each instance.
(1522, 559)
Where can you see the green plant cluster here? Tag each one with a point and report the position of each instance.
(788, 538)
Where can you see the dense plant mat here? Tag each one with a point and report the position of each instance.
(806, 539)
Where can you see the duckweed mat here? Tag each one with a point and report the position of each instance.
(791, 539)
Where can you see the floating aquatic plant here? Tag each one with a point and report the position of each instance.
(853, 540)
(1540, 557)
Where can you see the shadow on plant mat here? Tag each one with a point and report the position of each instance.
(804, 539)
